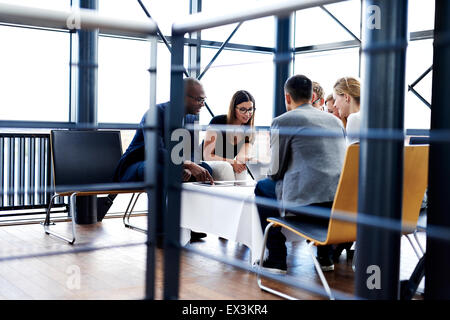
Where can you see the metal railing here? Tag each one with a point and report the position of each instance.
(25, 172)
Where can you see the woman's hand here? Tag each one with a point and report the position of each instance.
(238, 166)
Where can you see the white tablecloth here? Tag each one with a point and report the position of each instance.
(204, 209)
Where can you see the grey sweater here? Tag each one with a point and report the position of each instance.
(306, 168)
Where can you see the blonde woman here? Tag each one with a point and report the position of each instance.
(232, 147)
(346, 93)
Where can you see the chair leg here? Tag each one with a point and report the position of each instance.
(72, 215)
(258, 276)
(412, 245)
(127, 214)
(126, 211)
(47, 215)
(418, 242)
(319, 271)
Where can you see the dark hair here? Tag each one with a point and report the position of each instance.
(299, 87)
(239, 97)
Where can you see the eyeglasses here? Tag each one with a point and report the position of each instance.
(245, 110)
(198, 99)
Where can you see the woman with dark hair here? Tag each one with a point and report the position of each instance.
(232, 146)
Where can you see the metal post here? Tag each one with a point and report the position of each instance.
(172, 173)
(195, 6)
(283, 60)
(154, 193)
(11, 171)
(87, 101)
(381, 162)
(21, 172)
(32, 170)
(437, 278)
(2, 170)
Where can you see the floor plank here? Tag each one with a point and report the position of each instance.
(119, 273)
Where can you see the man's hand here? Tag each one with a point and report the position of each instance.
(186, 174)
(200, 174)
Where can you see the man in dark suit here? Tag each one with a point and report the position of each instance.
(131, 167)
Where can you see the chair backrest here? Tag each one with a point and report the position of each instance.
(415, 175)
(84, 157)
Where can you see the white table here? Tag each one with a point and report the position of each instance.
(204, 209)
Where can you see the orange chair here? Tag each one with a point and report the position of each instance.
(346, 202)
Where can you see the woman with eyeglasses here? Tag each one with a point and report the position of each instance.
(232, 146)
(346, 93)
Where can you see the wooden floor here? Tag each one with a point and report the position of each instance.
(119, 273)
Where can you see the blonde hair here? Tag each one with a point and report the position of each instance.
(318, 90)
(329, 97)
(350, 86)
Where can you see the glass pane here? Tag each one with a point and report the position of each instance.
(123, 80)
(234, 71)
(420, 15)
(34, 75)
(45, 4)
(314, 26)
(122, 9)
(326, 67)
(259, 32)
(163, 12)
(349, 14)
(418, 59)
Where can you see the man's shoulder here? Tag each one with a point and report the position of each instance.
(289, 117)
(163, 106)
(220, 119)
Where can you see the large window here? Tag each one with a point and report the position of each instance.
(419, 59)
(328, 66)
(259, 32)
(123, 80)
(34, 74)
(235, 70)
(34, 64)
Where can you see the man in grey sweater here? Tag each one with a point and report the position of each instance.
(305, 167)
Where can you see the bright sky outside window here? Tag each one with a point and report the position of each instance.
(34, 75)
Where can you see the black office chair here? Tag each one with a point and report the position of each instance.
(84, 163)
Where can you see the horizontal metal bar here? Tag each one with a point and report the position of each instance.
(200, 21)
(363, 218)
(417, 132)
(118, 186)
(285, 279)
(67, 250)
(74, 19)
(328, 46)
(60, 125)
(29, 207)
